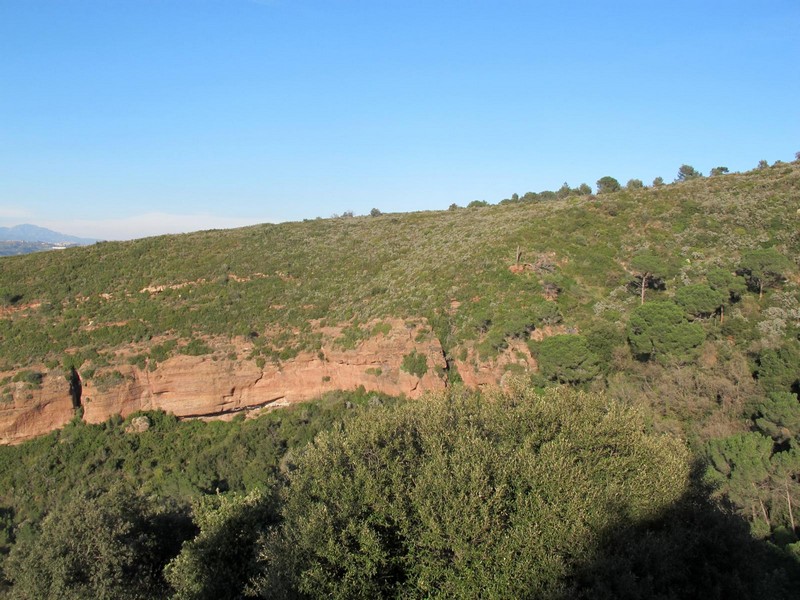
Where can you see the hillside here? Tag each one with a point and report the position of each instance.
(674, 311)
(476, 289)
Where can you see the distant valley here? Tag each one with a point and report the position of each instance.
(25, 239)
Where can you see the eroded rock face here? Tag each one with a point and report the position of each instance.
(37, 410)
(210, 386)
(215, 386)
(475, 373)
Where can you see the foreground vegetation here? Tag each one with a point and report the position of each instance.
(514, 494)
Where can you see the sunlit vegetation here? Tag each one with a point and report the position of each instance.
(671, 341)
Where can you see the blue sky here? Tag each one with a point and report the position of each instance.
(127, 118)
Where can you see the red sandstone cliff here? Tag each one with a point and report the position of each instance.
(216, 386)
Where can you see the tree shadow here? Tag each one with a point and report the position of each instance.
(696, 549)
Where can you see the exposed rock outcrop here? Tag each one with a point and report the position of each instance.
(37, 410)
(475, 373)
(216, 386)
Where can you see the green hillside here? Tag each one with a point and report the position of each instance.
(281, 277)
(673, 310)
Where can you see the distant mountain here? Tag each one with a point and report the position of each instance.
(33, 233)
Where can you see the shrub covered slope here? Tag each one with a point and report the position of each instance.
(675, 309)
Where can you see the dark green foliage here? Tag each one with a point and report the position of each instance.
(196, 347)
(695, 550)
(764, 268)
(739, 329)
(687, 172)
(634, 184)
(108, 380)
(758, 477)
(608, 185)
(660, 330)
(162, 352)
(602, 339)
(464, 497)
(567, 359)
(512, 320)
(778, 369)
(650, 263)
(738, 466)
(172, 459)
(8, 297)
(415, 363)
(716, 171)
(700, 300)
(725, 281)
(105, 545)
(221, 559)
(32, 378)
(651, 271)
(779, 416)
(352, 336)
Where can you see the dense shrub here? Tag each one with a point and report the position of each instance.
(699, 300)
(415, 363)
(568, 359)
(220, 561)
(467, 497)
(105, 545)
(660, 330)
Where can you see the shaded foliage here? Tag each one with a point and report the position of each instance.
(219, 562)
(608, 185)
(700, 300)
(764, 268)
(105, 545)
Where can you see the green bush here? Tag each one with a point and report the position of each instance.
(32, 378)
(220, 561)
(108, 380)
(700, 300)
(660, 330)
(352, 336)
(467, 497)
(777, 368)
(97, 545)
(764, 268)
(196, 347)
(415, 363)
(567, 359)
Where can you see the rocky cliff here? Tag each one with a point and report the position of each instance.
(216, 386)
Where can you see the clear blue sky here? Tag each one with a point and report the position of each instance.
(125, 118)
